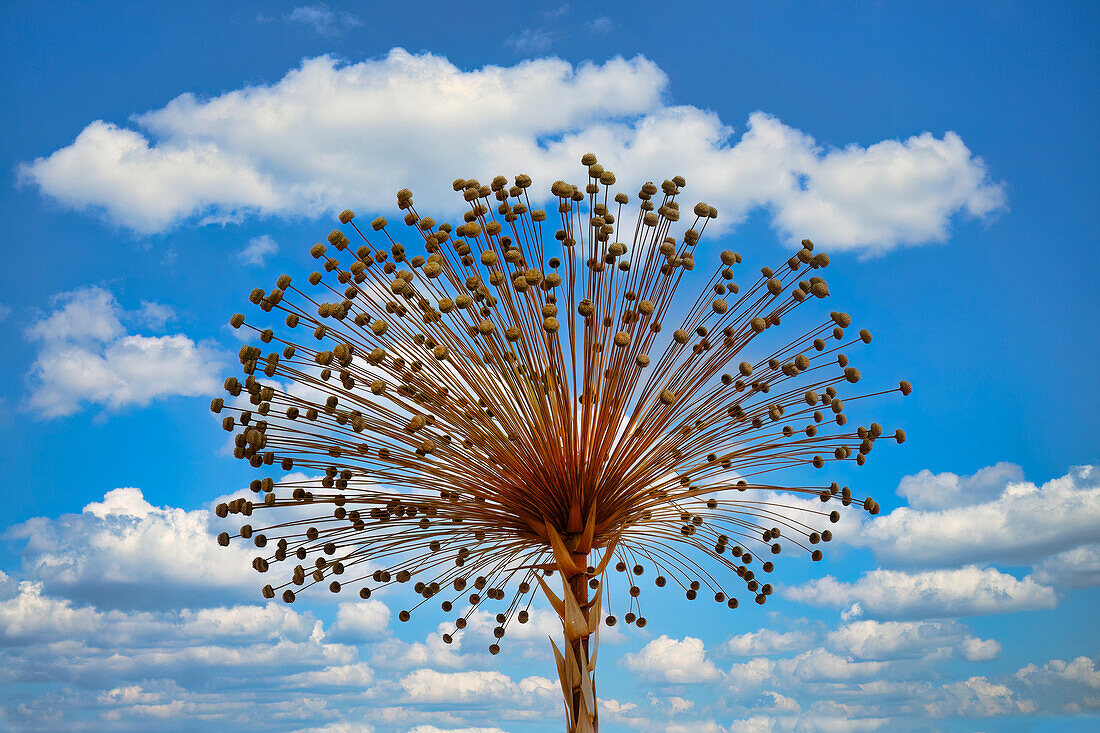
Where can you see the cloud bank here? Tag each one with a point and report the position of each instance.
(90, 638)
(994, 515)
(331, 135)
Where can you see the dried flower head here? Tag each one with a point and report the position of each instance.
(518, 403)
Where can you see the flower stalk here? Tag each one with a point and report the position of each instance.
(527, 395)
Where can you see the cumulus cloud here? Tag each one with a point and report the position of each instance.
(1081, 670)
(978, 697)
(766, 641)
(929, 594)
(980, 650)
(258, 250)
(475, 686)
(673, 660)
(30, 615)
(362, 620)
(811, 666)
(87, 355)
(821, 665)
(45, 637)
(751, 674)
(357, 674)
(888, 640)
(133, 668)
(139, 646)
(1058, 685)
(433, 729)
(927, 490)
(992, 516)
(835, 692)
(125, 551)
(79, 667)
(330, 135)
(1076, 568)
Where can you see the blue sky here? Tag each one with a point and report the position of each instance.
(940, 152)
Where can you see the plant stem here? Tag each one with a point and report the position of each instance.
(576, 660)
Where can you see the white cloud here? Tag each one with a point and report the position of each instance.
(766, 641)
(890, 674)
(751, 674)
(780, 704)
(993, 516)
(433, 729)
(927, 490)
(394, 653)
(980, 650)
(935, 593)
(131, 669)
(1081, 670)
(258, 250)
(1067, 687)
(814, 665)
(134, 657)
(358, 674)
(323, 20)
(886, 640)
(431, 686)
(1076, 568)
(977, 697)
(31, 616)
(821, 665)
(838, 693)
(674, 704)
(125, 551)
(5, 311)
(155, 315)
(86, 355)
(90, 313)
(673, 660)
(362, 620)
(330, 135)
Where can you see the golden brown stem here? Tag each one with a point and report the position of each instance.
(576, 661)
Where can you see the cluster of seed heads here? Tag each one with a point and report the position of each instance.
(494, 410)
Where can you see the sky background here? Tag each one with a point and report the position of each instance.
(940, 152)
